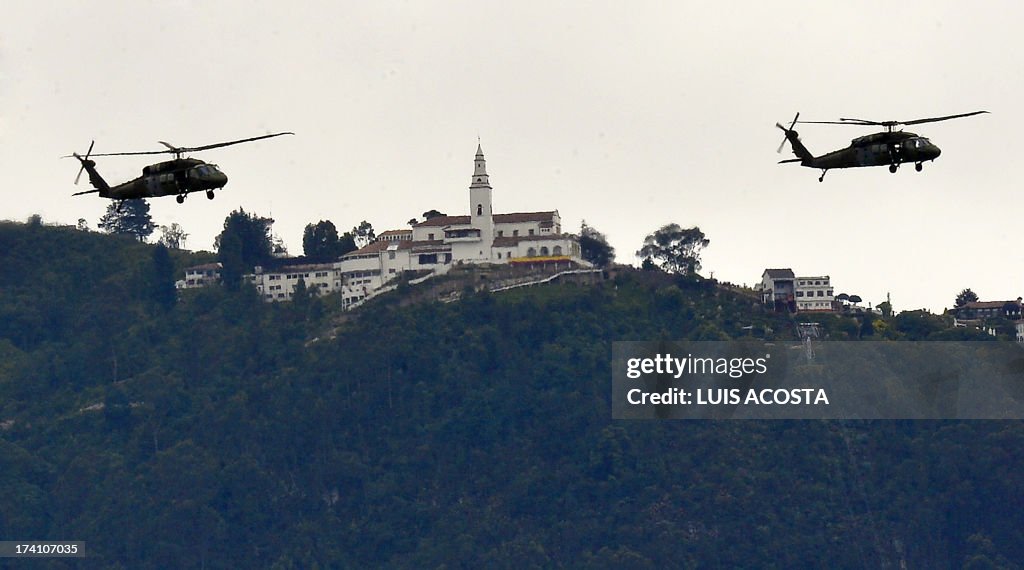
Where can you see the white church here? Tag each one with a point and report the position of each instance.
(435, 245)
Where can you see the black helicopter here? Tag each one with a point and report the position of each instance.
(177, 177)
(890, 148)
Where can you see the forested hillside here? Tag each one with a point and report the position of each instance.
(216, 431)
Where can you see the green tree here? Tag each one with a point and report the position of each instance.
(594, 246)
(363, 233)
(161, 285)
(676, 248)
(254, 236)
(128, 217)
(964, 297)
(432, 214)
(320, 242)
(173, 236)
(230, 256)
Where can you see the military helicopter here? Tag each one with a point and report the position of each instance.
(177, 177)
(890, 147)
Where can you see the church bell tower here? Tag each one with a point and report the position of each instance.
(480, 206)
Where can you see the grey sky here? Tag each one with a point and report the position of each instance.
(628, 115)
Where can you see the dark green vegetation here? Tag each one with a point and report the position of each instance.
(215, 432)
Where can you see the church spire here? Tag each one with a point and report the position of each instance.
(480, 179)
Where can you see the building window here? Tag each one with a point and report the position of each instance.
(501, 233)
(515, 233)
(531, 232)
(479, 210)
(430, 236)
(821, 293)
(428, 259)
(499, 255)
(799, 293)
(391, 255)
(531, 252)
(544, 251)
(557, 250)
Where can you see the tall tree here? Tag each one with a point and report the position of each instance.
(128, 217)
(964, 297)
(320, 241)
(677, 249)
(161, 286)
(594, 246)
(255, 239)
(173, 236)
(363, 233)
(229, 253)
(432, 214)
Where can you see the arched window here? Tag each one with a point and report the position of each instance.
(557, 250)
(531, 252)
(544, 251)
(479, 209)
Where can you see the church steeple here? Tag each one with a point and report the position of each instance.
(481, 215)
(480, 179)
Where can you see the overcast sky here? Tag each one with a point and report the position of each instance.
(628, 115)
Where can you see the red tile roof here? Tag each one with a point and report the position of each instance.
(513, 218)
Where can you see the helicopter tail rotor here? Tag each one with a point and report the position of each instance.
(785, 130)
(98, 183)
(83, 160)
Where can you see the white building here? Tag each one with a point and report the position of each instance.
(777, 289)
(436, 244)
(278, 284)
(200, 276)
(814, 293)
(783, 290)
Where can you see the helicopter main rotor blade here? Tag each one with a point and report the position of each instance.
(891, 124)
(183, 149)
(86, 192)
(229, 143)
(936, 119)
(842, 122)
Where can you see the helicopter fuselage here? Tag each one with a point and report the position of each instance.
(878, 149)
(173, 177)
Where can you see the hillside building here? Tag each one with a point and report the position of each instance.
(438, 243)
(784, 291)
(200, 276)
(277, 283)
(814, 294)
(778, 289)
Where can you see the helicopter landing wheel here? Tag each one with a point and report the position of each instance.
(822, 177)
(919, 167)
(180, 198)
(209, 194)
(892, 168)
